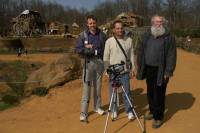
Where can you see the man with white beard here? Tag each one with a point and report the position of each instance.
(156, 61)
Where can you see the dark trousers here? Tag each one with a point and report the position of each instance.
(155, 93)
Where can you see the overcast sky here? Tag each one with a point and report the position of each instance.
(88, 4)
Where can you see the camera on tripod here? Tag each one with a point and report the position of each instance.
(116, 70)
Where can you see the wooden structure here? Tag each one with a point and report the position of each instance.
(28, 23)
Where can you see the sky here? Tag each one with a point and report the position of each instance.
(88, 4)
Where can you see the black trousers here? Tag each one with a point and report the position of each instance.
(155, 93)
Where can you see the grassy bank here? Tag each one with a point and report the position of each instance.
(13, 75)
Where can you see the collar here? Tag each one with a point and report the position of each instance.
(97, 31)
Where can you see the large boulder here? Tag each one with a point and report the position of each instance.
(57, 73)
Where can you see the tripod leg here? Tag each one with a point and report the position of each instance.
(109, 110)
(115, 104)
(117, 93)
(133, 109)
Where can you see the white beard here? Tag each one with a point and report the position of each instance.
(157, 31)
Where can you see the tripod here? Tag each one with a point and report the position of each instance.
(116, 85)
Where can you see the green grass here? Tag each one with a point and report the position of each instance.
(41, 91)
(4, 106)
(192, 32)
(15, 71)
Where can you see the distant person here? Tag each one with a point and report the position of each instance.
(188, 41)
(156, 63)
(19, 53)
(90, 46)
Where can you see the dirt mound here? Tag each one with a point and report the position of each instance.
(57, 73)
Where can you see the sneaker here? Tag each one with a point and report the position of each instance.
(99, 111)
(156, 123)
(83, 117)
(148, 115)
(131, 116)
(114, 116)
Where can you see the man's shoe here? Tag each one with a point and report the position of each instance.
(99, 111)
(131, 116)
(83, 117)
(114, 116)
(156, 123)
(148, 115)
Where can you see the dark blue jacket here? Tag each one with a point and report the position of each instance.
(168, 58)
(98, 40)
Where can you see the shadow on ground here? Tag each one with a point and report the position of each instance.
(176, 102)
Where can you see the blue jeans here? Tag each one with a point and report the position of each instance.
(93, 75)
(125, 81)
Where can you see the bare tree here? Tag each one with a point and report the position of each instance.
(180, 13)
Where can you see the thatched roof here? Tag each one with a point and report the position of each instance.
(26, 12)
(75, 25)
(127, 15)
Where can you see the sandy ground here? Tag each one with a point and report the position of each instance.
(58, 112)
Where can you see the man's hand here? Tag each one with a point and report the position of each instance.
(106, 74)
(166, 77)
(132, 74)
(88, 46)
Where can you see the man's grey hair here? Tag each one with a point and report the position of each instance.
(165, 21)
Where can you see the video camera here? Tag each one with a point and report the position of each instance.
(116, 70)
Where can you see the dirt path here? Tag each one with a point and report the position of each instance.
(58, 112)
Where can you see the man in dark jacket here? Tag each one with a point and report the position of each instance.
(156, 63)
(90, 46)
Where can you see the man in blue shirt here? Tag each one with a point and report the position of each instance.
(90, 47)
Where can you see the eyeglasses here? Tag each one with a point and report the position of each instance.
(159, 21)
